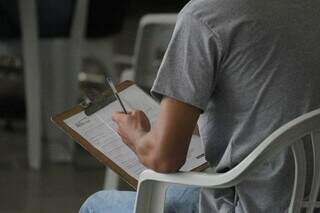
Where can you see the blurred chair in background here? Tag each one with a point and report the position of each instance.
(153, 37)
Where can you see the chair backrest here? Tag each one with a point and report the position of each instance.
(307, 199)
(302, 132)
(153, 37)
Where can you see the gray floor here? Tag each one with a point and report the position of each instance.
(56, 188)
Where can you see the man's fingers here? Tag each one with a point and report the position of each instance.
(136, 112)
(117, 116)
(120, 116)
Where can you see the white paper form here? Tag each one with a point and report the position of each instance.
(195, 156)
(105, 114)
(138, 99)
(100, 131)
(103, 138)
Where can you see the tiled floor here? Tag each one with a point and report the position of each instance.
(55, 188)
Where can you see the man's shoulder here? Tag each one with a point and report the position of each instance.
(213, 12)
(198, 8)
(208, 6)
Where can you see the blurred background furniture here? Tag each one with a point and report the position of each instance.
(302, 132)
(36, 82)
(54, 39)
(31, 66)
(153, 36)
(12, 100)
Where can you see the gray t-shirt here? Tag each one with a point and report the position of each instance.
(250, 66)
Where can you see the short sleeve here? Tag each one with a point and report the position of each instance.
(188, 70)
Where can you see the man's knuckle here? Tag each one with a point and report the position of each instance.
(134, 112)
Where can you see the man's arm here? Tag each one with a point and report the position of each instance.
(164, 147)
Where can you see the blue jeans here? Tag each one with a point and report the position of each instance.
(178, 199)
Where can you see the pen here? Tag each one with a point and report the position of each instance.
(115, 93)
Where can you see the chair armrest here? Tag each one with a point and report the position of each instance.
(152, 186)
(199, 179)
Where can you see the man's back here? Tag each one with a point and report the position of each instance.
(263, 64)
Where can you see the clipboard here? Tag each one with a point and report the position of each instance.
(90, 108)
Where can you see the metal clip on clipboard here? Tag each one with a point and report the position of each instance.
(97, 102)
(92, 106)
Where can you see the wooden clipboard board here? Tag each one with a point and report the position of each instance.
(59, 121)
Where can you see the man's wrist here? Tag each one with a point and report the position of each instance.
(139, 135)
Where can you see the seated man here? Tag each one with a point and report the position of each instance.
(241, 69)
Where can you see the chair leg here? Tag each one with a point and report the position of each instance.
(151, 197)
(111, 180)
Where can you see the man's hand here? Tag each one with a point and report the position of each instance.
(164, 147)
(132, 126)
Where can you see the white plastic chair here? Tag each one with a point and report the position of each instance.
(153, 37)
(152, 185)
